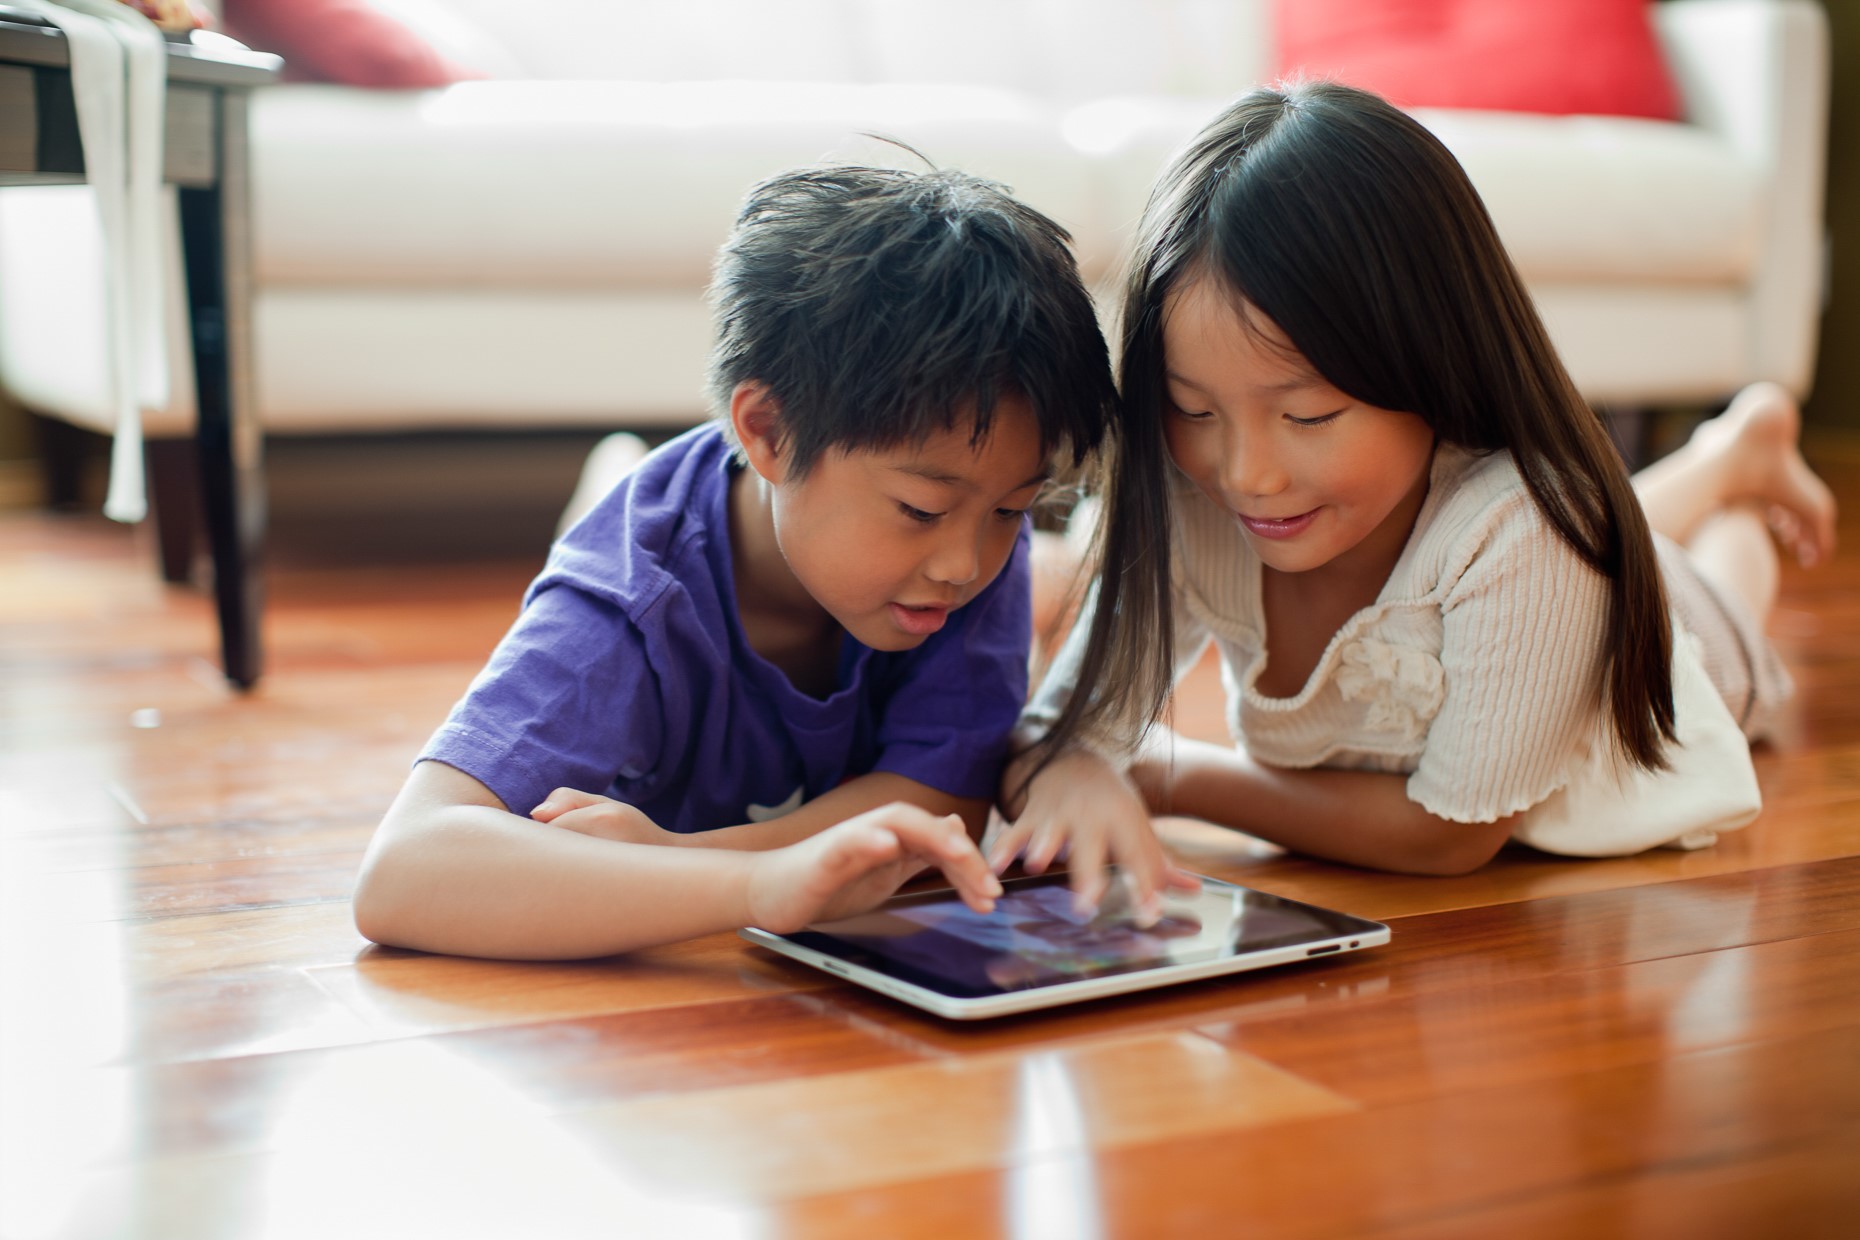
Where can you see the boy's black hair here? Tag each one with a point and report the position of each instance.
(880, 306)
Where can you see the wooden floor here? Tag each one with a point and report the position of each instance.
(196, 1044)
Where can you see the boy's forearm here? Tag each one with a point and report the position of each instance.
(475, 881)
(1360, 817)
(850, 799)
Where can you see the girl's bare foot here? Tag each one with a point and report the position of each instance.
(1757, 439)
(612, 459)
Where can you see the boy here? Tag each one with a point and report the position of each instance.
(812, 611)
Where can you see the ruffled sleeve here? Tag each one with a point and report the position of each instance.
(1402, 686)
(1518, 692)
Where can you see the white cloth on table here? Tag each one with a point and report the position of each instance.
(119, 68)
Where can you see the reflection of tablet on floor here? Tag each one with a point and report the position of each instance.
(1033, 951)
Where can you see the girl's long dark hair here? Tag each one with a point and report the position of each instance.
(1352, 228)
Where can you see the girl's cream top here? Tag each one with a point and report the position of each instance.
(1476, 672)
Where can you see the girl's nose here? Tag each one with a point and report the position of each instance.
(1249, 466)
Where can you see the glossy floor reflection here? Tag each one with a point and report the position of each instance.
(195, 1043)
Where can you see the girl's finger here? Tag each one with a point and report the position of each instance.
(1007, 846)
(1089, 878)
(1175, 876)
(1045, 845)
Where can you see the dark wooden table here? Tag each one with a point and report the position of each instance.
(205, 157)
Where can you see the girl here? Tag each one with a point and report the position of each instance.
(1441, 607)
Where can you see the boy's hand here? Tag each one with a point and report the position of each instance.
(603, 816)
(1085, 807)
(853, 866)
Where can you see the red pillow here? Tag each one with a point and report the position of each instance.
(1558, 56)
(339, 41)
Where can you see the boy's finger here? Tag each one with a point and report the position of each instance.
(581, 820)
(972, 879)
(974, 895)
(562, 801)
(946, 843)
(964, 864)
(859, 852)
(956, 840)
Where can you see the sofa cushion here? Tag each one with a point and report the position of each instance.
(1555, 56)
(1610, 198)
(546, 184)
(345, 41)
(1576, 198)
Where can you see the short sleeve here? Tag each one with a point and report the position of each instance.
(568, 699)
(946, 722)
(1523, 627)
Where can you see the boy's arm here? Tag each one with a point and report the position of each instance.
(599, 815)
(451, 870)
(855, 796)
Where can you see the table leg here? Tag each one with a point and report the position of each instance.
(215, 244)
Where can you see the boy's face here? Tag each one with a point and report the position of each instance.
(890, 541)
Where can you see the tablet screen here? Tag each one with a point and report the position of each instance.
(1035, 938)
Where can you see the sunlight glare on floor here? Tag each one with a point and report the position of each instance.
(1054, 1194)
(408, 1139)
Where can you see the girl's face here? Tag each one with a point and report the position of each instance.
(1314, 477)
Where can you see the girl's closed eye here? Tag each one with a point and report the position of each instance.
(1320, 420)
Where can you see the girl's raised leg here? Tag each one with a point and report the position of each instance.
(612, 459)
(1735, 550)
(1747, 456)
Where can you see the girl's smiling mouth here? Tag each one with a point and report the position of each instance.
(1278, 527)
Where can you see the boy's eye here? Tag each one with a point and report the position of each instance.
(917, 514)
(1317, 421)
(1011, 514)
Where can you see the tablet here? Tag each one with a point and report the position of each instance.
(931, 950)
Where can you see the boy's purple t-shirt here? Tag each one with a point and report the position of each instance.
(628, 674)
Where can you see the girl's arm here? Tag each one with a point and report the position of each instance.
(1361, 817)
(451, 870)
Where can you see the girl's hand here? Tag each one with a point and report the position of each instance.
(853, 866)
(1084, 806)
(602, 816)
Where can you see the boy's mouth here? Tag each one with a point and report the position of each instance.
(919, 621)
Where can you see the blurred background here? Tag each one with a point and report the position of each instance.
(470, 447)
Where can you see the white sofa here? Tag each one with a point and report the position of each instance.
(530, 251)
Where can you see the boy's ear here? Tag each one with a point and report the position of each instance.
(755, 416)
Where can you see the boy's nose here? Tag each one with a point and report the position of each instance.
(957, 561)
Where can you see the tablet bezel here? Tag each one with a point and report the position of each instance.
(1359, 933)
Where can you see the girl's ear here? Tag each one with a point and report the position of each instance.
(755, 416)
